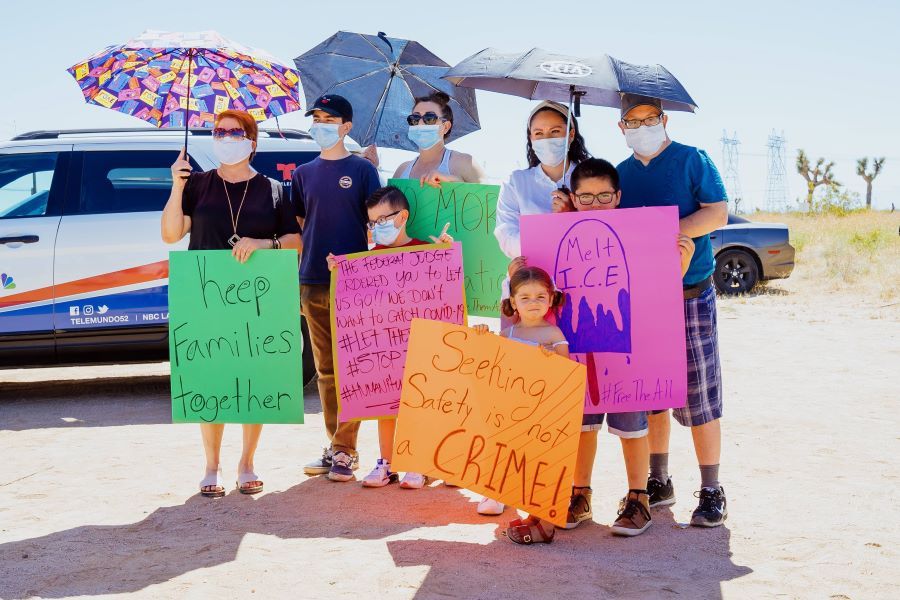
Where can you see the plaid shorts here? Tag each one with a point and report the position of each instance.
(704, 372)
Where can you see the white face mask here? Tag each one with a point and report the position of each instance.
(646, 140)
(550, 151)
(231, 151)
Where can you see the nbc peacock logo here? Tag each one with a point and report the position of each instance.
(7, 282)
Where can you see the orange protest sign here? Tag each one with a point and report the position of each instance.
(491, 415)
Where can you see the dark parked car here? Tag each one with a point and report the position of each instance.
(747, 253)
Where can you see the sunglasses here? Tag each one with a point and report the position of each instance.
(220, 134)
(428, 118)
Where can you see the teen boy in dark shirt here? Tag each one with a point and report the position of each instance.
(329, 195)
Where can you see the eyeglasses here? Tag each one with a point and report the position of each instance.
(588, 199)
(428, 118)
(649, 121)
(220, 134)
(383, 219)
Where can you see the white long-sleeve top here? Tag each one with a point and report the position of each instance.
(526, 192)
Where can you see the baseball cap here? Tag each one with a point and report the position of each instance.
(560, 108)
(333, 104)
(630, 101)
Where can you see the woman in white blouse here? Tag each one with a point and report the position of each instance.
(535, 190)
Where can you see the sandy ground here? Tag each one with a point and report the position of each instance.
(97, 491)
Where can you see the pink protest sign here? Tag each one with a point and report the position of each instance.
(375, 296)
(624, 313)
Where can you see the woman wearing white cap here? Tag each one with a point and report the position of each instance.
(534, 191)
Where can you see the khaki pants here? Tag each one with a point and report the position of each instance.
(315, 304)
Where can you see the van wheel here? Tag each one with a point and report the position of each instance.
(736, 272)
(309, 364)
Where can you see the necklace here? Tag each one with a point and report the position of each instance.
(234, 239)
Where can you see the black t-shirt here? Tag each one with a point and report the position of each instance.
(331, 196)
(205, 201)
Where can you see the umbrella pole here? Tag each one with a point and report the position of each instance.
(562, 182)
(187, 101)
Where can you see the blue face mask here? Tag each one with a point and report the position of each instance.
(385, 233)
(550, 151)
(424, 136)
(325, 134)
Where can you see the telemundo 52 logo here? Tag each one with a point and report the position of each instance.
(7, 282)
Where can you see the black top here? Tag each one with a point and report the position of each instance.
(331, 196)
(205, 201)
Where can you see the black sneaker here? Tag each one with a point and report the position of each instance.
(661, 494)
(342, 466)
(713, 508)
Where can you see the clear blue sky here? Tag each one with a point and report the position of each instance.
(823, 72)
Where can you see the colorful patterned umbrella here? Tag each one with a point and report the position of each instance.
(151, 76)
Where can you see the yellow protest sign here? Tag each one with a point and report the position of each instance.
(491, 415)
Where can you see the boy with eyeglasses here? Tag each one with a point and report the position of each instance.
(329, 195)
(665, 173)
(596, 187)
(388, 211)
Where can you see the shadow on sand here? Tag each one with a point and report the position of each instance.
(92, 560)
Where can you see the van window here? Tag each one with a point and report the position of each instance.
(25, 181)
(126, 181)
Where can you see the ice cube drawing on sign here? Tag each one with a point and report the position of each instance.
(591, 270)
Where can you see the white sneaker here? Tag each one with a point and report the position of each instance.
(490, 507)
(413, 481)
(380, 476)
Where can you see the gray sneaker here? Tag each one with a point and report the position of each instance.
(342, 466)
(320, 466)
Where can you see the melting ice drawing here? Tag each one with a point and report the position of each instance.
(591, 270)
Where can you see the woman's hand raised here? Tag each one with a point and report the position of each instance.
(181, 169)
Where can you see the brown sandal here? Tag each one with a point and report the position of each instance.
(529, 531)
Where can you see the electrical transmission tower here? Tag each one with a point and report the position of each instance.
(731, 174)
(776, 178)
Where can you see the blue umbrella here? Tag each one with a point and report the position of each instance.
(381, 76)
(541, 75)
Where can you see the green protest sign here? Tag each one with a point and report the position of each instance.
(470, 208)
(234, 337)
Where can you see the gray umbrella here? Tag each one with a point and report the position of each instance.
(541, 75)
(381, 76)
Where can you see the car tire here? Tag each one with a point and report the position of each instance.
(309, 363)
(736, 272)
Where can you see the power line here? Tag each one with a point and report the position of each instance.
(776, 178)
(731, 173)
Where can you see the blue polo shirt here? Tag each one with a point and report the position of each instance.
(681, 176)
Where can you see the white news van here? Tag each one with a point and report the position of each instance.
(83, 270)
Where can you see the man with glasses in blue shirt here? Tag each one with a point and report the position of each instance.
(661, 172)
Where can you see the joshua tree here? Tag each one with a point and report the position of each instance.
(861, 166)
(814, 176)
